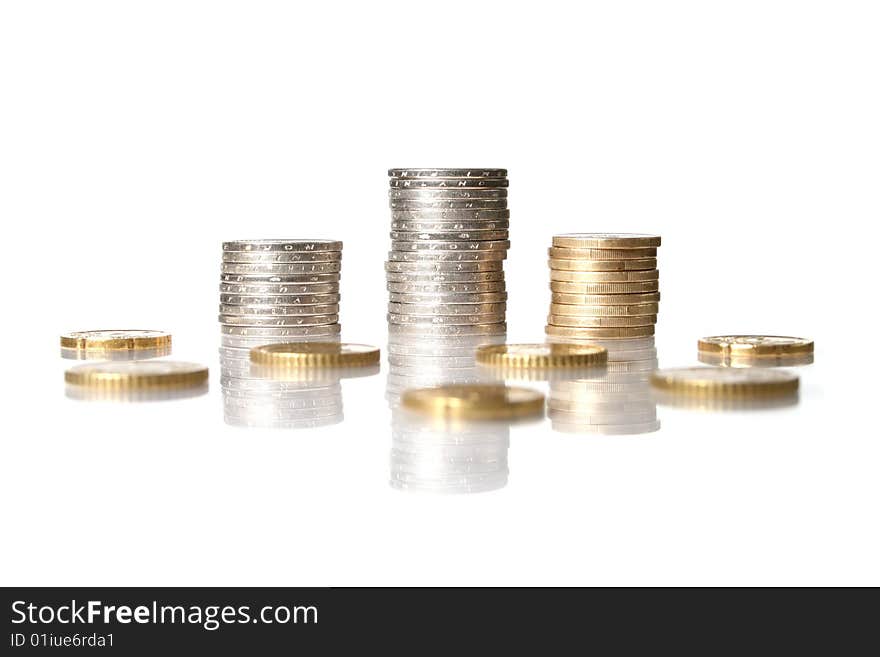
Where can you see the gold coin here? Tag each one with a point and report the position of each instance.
(115, 339)
(600, 254)
(726, 382)
(315, 354)
(604, 288)
(601, 333)
(475, 402)
(731, 360)
(602, 322)
(622, 310)
(606, 240)
(637, 264)
(558, 275)
(541, 355)
(123, 375)
(756, 346)
(604, 299)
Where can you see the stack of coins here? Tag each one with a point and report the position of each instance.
(614, 401)
(449, 239)
(603, 286)
(278, 290)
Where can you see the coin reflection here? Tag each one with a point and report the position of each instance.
(88, 393)
(434, 454)
(115, 354)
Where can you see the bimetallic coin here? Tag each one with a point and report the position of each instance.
(273, 257)
(451, 246)
(726, 382)
(449, 215)
(123, 375)
(316, 354)
(637, 264)
(273, 310)
(433, 205)
(278, 321)
(279, 269)
(601, 333)
(461, 172)
(283, 245)
(443, 299)
(433, 310)
(756, 346)
(447, 194)
(277, 333)
(604, 288)
(447, 183)
(541, 355)
(443, 268)
(604, 311)
(606, 240)
(556, 252)
(475, 402)
(116, 339)
(279, 299)
(285, 279)
(455, 256)
(455, 236)
(276, 289)
(557, 275)
(603, 299)
(601, 322)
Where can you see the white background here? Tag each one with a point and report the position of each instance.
(135, 137)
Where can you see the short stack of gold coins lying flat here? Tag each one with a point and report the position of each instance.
(603, 286)
(755, 351)
(449, 240)
(115, 344)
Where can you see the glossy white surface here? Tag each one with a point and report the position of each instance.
(135, 139)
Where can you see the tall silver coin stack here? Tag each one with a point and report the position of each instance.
(449, 240)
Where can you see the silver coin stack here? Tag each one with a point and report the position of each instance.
(279, 291)
(449, 240)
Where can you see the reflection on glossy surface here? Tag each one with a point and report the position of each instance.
(87, 393)
(435, 455)
(260, 397)
(115, 354)
(690, 403)
(616, 400)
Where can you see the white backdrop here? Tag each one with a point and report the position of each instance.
(135, 137)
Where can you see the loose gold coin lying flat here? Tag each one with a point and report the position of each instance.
(604, 299)
(599, 333)
(116, 339)
(541, 355)
(618, 310)
(732, 360)
(602, 322)
(756, 346)
(637, 264)
(637, 287)
(601, 254)
(315, 354)
(725, 382)
(475, 402)
(136, 374)
(606, 240)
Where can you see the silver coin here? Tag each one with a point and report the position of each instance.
(277, 333)
(432, 310)
(272, 310)
(415, 286)
(424, 256)
(274, 289)
(441, 299)
(447, 205)
(497, 328)
(278, 299)
(444, 320)
(449, 215)
(444, 268)
(447, 246)
(445, 172)
(281, 321)
(447, 194)
(445, 226)
(284, 279)
(431, 277)
(446, 236)
(281, 269)
(283, 245)
(272, 257)
(447, 183)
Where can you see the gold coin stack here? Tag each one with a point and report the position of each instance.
(603, 286)
(755, 351)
